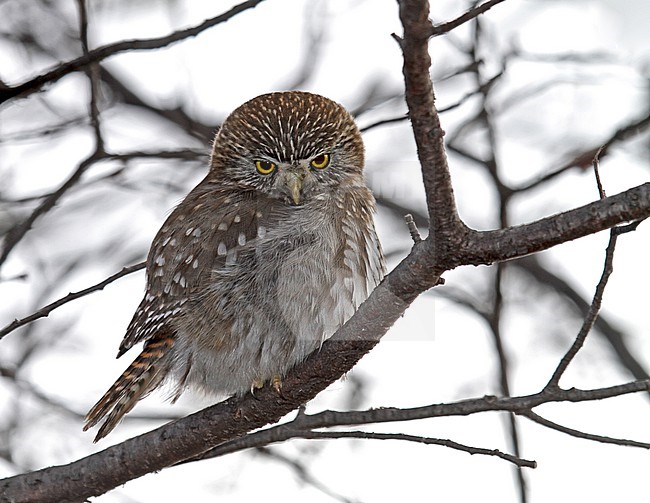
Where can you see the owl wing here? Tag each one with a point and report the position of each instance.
(202, 234)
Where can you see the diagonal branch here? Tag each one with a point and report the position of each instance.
(442, 28)
(16, 233)
(581, 434)
(615, 337)
(499, 245)
(46, 310)
(592, 313)
(584, 159)
(109, 50)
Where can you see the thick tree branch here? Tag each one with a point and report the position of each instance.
(444, 221)
(499, 245)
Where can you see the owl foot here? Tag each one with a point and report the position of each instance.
(255, 385)
(276, 382)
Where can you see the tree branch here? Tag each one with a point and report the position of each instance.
(109, 50)
(46, 310)
(16, 233)
(442, 28)
(581, 434)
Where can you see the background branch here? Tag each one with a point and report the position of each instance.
(106, 51)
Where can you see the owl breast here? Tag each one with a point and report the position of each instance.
(277, 297)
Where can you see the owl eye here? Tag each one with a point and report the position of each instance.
(265, 167)
(320, 161)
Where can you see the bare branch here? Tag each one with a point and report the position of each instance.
(613, 335)
(467, 16)
(413, 229)
(499, 245)
(92, 73)
(594, 308)
(366, 435)
(581, 434)
(109, 50)
(16, 233)
(429, 136)
(585, 159)
(46, 310)
(303, 474)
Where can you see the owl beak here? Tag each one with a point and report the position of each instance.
(295, 186)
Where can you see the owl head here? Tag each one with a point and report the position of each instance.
(293, 146)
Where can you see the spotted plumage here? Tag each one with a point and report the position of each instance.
(263, 260)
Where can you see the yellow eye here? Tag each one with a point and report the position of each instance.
(265, 167)
(320, 161)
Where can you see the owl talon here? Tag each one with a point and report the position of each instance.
(276, 382)
(255, 385)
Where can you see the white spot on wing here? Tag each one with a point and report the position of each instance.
(241, 239)
(221, 249)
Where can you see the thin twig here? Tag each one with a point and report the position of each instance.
(439, 29)
(585, 158)
(93, 79)
(109, 50)
(596, 165)
(413, 229)
(581, 434)
(46, 310)
(16, 234)
(302, 473)
(614, 336)
(592, 314)
(418, 439)
(594, 308)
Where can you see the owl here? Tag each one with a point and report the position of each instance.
(262, 261)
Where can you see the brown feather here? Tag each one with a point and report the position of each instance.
(139, 379)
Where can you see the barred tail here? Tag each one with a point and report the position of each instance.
(139, 379)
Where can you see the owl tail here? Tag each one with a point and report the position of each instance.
(138, 380)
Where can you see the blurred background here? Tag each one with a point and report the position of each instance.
(528, 93)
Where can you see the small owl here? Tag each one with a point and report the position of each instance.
(262, 261)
